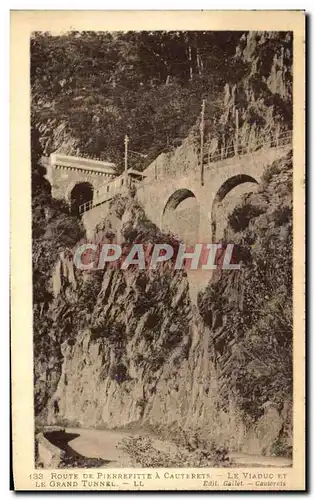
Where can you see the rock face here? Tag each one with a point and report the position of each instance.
(249, 312)
(120, 348)
(127, 347)
(257, 101)
(139, 324)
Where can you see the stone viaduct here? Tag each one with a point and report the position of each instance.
(170, 189)
(198, 212)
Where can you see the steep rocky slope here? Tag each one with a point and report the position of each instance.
(257, 97)
(249, 311)
(127, 347)
(121, 348)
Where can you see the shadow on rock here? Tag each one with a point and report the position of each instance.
(71, 457)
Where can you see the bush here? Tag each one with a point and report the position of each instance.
(269, 173)
(241, 216)
(118, 205)
(118, 372)
(190, 453)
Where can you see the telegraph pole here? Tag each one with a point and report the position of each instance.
(126, 159)
(190, 66)
(202, 128)
(236, 132)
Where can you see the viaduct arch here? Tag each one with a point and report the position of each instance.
(218, 210)
(225, 181)
(206, 202)
(181, 215)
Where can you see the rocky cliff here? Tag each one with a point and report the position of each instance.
(127, 347)
(249, 311)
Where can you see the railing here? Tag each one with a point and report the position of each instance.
(100, 199)
(234, 150)
(227, 153)
(284, 139)
(85, 207)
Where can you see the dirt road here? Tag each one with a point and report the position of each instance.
(93, 443)
(103, 444)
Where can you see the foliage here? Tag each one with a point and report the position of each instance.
(89, 89)
(242, 215)
(281, 448)
(254, 352)
(118, 372)
(53, 228)
(191, 452)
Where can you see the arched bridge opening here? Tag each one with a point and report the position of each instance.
(225, 200)
(80, 194)
(181, 216)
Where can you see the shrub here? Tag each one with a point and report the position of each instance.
(191, 452)
(119, 372)
(269, 173)
(241, 216)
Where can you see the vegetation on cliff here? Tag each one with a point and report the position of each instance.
(53, 228)
(53, 231)
(249, 311)
(112, 347)
(114, 309)
(89, 89)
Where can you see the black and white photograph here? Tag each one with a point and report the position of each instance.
(162, 241)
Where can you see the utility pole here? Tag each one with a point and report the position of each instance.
(236, 132)
(190, 64)
(126, 159)
(202, 128)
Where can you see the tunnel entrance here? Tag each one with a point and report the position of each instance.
(227, 198)
(80, 194)
(181, 216)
